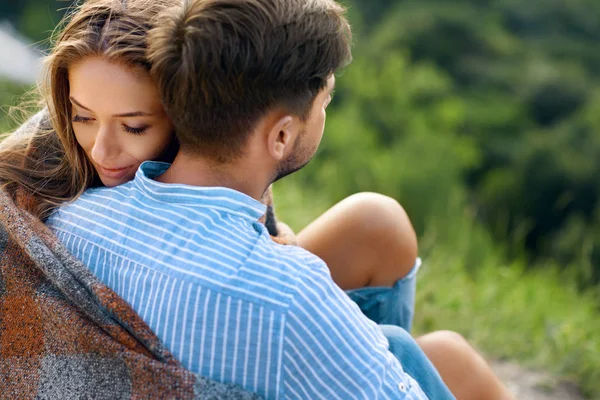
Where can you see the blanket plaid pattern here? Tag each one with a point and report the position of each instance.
(64, 335)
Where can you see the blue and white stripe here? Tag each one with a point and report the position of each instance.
(226, 300)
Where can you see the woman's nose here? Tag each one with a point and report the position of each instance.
(106, 147)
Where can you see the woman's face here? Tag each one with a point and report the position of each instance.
(117, 117)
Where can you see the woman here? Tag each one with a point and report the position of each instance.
(78, 141)
(63, 333)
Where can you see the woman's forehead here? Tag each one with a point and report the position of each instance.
(99, 83)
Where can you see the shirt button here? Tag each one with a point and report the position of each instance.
(402, 387)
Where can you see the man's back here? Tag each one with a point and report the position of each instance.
(227, 301)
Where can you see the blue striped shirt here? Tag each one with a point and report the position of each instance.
(226, 300)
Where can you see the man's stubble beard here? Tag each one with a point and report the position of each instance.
(300, 156)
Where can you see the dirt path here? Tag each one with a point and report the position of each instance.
(534, 385)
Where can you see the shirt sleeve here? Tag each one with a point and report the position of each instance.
(332, 351)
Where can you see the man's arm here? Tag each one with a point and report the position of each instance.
(332, 351)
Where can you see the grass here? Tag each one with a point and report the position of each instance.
(536, 317)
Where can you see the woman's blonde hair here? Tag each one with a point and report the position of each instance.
(45, 159)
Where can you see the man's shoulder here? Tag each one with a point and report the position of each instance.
(295, 261)
(96, 202)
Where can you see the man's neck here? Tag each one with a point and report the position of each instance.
(198, 171)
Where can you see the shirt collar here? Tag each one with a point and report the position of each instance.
(220, 198)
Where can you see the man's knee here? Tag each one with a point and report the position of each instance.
(390, 231)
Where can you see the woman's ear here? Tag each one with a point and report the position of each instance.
(282, 136)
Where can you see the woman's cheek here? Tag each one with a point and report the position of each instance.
(85, 141)
(141, 148)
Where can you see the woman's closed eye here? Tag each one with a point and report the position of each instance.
(133, 130)
(129, 129)
(83, 120)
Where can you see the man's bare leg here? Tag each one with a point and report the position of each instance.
(462, 368)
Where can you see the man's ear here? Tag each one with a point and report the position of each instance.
(282, 136)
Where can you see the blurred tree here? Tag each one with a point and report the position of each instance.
(34, 18)
(526, 74)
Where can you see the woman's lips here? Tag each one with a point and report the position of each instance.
(114, 173)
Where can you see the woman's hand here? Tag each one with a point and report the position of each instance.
(285, 235)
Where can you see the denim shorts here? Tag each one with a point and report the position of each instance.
(389, 305)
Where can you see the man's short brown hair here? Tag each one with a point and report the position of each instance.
(220, 65)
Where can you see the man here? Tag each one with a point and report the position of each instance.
(246, 84)
(255, 78)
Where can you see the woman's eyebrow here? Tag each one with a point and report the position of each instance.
(134, 114)
(78, 103)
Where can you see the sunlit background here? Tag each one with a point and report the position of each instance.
(482, 118)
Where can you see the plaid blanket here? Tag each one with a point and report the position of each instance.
(65, 335)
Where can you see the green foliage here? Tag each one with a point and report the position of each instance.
(34, 18)
(523, 79)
